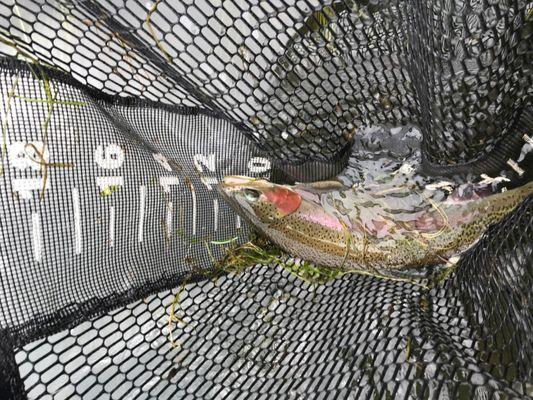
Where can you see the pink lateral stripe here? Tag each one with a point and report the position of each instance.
(325, 220)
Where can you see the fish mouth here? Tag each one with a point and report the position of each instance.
(233, 183)
(236, 181)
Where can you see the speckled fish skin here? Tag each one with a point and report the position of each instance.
(379, 228)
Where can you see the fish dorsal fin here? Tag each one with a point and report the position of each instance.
(313, 191)
(320, 186)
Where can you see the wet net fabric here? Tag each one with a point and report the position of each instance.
(118, 118)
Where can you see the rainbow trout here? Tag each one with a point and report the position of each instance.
(371, 228)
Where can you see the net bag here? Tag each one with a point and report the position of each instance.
(119, 118)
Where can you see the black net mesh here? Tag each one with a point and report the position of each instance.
(118, 119)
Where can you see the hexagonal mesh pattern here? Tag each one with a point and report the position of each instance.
(119, 117)
(300, 77)
(264, 335)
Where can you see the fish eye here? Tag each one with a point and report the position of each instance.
(251, 194)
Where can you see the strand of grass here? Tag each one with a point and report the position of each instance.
(262, 255)
(28, 58)
(223, 242)
(10, 96)
(348, 244)
(172, 314)
(44, 128)
(192, 239)
(50, 99)
(25, 28)
(213, 260)
(164, 227)
(36, 62)
(13, 44)
(125, 56)
(244, 256)
(443, 215)
(55, 102)
(346, 230)
(365, 242)
(42, 161)
(255, 248)
(365, 239)
(176, 302)
(152, 32)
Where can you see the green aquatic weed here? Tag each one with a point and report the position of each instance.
(223, 242)
(54, 102)
(240, 257)
(109, 190)
(311, 273)
(10, 96)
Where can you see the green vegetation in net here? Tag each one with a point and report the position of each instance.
(109, 190)
(51, 100)
(257, 251)
(10, 96)
(260, 251)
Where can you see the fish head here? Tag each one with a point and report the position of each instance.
(259, 201)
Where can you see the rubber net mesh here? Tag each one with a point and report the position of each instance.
(119, 118)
